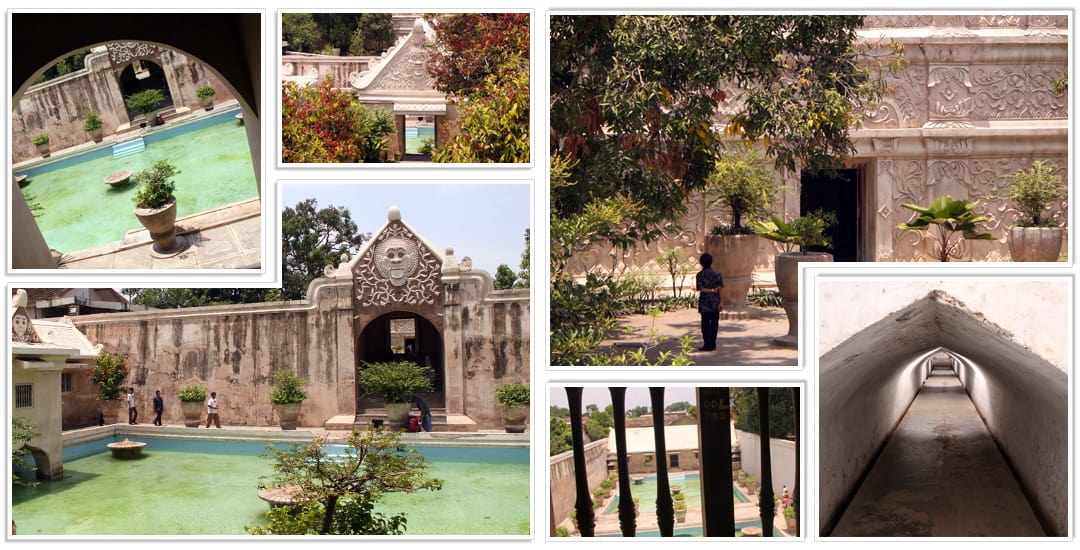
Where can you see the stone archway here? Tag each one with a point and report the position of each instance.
(403, 336)
(151, 76)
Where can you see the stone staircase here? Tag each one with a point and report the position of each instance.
(440, 421)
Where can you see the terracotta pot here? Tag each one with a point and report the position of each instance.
(288, 415)
(515, 418)
(112, 409)
(787, 279)
(734, 257)
(398, 414)
(161, 223)
(192, 413)
(1035, 244)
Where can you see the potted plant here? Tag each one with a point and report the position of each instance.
(805, 231)
(395, 382)
(750, 483)
(191, 404)
(514, 401)
(206, 94)
(287, 396)
(155, 205)
(745, 188)
(92, 125)
(41, 141)
(680, 511)
(950, 217)
(789, 519)
(145, 102)
(108, 374)
(1035, 237)
(607, 486)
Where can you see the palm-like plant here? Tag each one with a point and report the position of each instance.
(950, 217)
(805, 231)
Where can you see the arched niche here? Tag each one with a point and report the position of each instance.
(403, 336)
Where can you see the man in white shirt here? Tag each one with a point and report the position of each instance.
(133, 413)
(212, 411)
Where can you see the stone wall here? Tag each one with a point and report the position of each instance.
(563, 488)
(782, 455)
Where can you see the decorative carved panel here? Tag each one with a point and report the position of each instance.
(406, 71)
(397, 269)
(950, 97)
(122, 53)
(1018, 92)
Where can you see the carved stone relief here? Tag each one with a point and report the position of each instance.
(950, 97)
(397, 269)
(407, 70)
(1018, 92)
(122, 53)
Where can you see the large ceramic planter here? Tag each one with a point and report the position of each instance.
(680, 515)
(734, 257)
(96, 135)
(790, 524)
(398, 414)
(787, 279)
(161, 223)
(1035, 244)
(207, 103)
(111, 409)
(288, 415)
(192, 413)
(43, 149)
(515, 418)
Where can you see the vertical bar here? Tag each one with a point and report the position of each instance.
(665, 509)
(765, 498)
(798, 443)
(586, 518)
(627, 517)
(714, 446)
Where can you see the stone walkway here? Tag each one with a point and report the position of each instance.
(745, 337)
(940, 475)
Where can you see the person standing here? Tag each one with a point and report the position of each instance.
(159, 407)
(710, 304)
(133, 413)
(425, 413)
(212, 411)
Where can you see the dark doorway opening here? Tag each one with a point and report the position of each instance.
(402, 336)
(142, 75)
(836, 191)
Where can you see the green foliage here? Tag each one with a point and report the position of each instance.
(743, 186)
(41, 139)
(205, 91)
(781, 412)
(288, 387)
(493, 121)
(1060, 85)
(146, 101)
(805, 231)
(678, 406)
(311, 239)
(108, 374)
(512, 395)
(470, 47)
(155, 186)
(22, 431)
(394, 381)
(427, 146)
(64, 66)
(599, 423)
(1033, 190)
(375, 126)
(301, 32)
(637, 411)
(949, 217)
(374, 34)
(193, 393)
(560, 436)
(323, 124)
(504, 277)
(168, 298)
(338, 495)
(762, 297)
(789, 512)
(671, 260)
(92, 121)
(561, 531)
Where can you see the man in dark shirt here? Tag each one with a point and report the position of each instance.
(710, 304)
(159, 407)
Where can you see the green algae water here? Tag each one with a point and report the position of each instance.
(78, 211)
(183, 487)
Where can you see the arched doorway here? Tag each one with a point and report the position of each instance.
(402, 336)
(141, 75)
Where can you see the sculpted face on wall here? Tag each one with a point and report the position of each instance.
(397, 269)
(20, 328)
(396, 259)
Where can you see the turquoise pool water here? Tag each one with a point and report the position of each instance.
(691, 487)
(81, 212)
(183, 487)
(414, 137)
(698, 531)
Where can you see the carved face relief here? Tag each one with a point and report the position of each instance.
(396, 259)
(19, 327)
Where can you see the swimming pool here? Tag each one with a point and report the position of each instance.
(79, 211)
(415, 136)
(186, 487)
(691, 487)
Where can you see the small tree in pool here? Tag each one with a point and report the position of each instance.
(338, 495)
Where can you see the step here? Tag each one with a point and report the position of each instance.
(126, 148)
(440, 421)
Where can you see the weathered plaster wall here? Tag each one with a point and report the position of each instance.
(80, 405)
(44, 376)
(563, 488)
(782, 454)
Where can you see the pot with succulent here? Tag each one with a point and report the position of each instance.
(955, 221)
(108, 375)
(514, 401)
(191, 404)
(155, 206)
(803, 232)
(679, 502)
(1037, 236)
(41, 141)
(744, 187)
(92, 125)
(394, 382)
(287, 397)
(206, 94)
(145, 103)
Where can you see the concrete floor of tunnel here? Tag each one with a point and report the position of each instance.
(940, 474)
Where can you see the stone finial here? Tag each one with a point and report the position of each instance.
(466, 263)
(418, 25)
(394, 214)
(20, 299)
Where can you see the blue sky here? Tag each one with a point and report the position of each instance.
(635, 395)
(485, 221)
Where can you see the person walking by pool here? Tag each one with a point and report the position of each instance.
(710, 304)
(211, 411)
(425, 413)
(133, 413)
(159, 407)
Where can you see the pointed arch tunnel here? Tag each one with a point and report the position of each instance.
(867, 382)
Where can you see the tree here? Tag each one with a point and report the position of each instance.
(374, 34)
(373, 463)
(524, 273)
(561, 438)
(324, 124)
(678, 406)
(504, 277)
(337, 28)
(599, 422)
(170, 298)
(313, 238)
(637, 411)
(22, 431)
(469, 47)
(560, 412)
(743, 186)
(781, 412)
(301, 32)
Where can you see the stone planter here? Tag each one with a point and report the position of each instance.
(126, 449)
(397, 414)
(111, 410)
(288, 415)
(1035, 244)
(207, 103)
(790, 521)
(787, 279)
(96, 135)
(515, 418)
(161, 223)
(680, 515)
(734, 257)
(192, 413)
(43, 149)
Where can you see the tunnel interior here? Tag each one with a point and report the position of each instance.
(869, 385)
